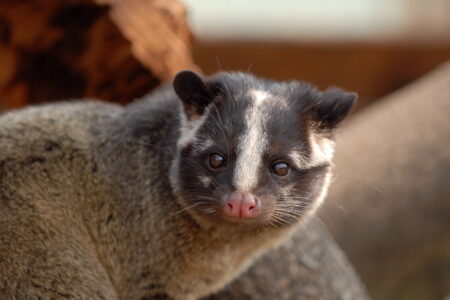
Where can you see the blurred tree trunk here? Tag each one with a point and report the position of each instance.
(109, 49)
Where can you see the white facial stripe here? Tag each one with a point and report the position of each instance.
(322, 150)
(259, 96)
(251, 145)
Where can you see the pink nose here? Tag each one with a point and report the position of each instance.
(242, 205)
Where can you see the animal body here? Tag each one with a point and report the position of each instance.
(170, 197)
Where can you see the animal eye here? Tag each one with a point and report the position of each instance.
(280, 168)
(216, 161)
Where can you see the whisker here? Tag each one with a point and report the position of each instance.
(186, 208)
(209, 210)
(218, 63)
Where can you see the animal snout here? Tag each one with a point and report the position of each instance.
(242, 205)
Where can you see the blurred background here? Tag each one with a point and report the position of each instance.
(51, 50)
(369, 46)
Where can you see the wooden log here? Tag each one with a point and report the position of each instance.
(158, 31)
(52, 50)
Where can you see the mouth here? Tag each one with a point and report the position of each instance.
(241, 222)
(216, 215)
(243, 211)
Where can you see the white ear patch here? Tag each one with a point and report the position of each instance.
(203, 145)
(322, 150)
(251, 144)
(189, 128)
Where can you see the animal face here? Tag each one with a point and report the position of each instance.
(253, 151)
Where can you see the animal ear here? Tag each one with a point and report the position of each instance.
(331, 107)
(193, 92)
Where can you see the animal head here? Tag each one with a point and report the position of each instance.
(254, 152)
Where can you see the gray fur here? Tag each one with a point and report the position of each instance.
(87, 210)
(82, 218)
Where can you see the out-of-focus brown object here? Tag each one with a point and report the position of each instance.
(53, 50)
(160, 36)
